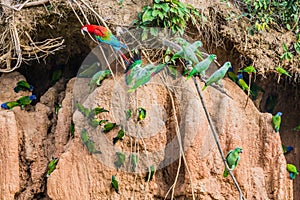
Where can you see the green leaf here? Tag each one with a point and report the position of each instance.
(156, 1)
(284, 47)
(147, 16)
(153, 31)
(155, 13)
(165, 7)
(297, 47)
(173, 70)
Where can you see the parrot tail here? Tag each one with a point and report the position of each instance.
(127, 61)
(204, 87)
(187, 78)
(225, 173)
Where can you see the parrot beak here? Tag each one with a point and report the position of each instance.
(84, 30)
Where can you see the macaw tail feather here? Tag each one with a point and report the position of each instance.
(204, 87)
(127, 61)
(225, 173)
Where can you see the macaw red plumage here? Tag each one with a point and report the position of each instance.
(104, 35)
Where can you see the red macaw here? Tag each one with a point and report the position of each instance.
(102, 34)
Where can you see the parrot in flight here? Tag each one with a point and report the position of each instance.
(232, 160)
(24, 86)
(25, 100)
(292, 169)
(120, 160)
(115, 184)
(120, 136)
(103, 35)
(276, 121)
(250, 69)
(150, 174)
(188, 52)
(287, 149)
(232, 75)
(9, 105)
(139, 74)
(280, 70)
(98, 78)
(217, 75)
(51, 166)
(202, 66)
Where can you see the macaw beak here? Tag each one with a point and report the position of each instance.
(82, 32)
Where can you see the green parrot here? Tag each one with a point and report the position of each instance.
(85, 111)
(217, 75)
(120, 136)
(94, 122)
(56, 75)
(141, 114)
(185, 43)
(280, 70)
(232, 160)
(150, 174)
(115, 184)
(84, 136)
(120, 160)
(188, 52)
(25, 100)
(24, 86)
(128, 113)
(51, 166)
(138, 75)
(292, 169)
(134, 161)
(276, 121)
(202, 66)
(89, 71)
(96, 111)
(250, 69)
(9, 105)
(90, 145)
(57, 106)
(242, 83)
(98, 78)
(109, 126)
(287, 149)
(232, 75)
(297, 128)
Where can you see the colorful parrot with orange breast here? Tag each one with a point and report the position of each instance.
(104, 35)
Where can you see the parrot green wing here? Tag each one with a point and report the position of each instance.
(51, 166)
(120, 136)
(282, 71)
(109, 126)
(120, 160)
(276, 121)
(84, 136)
(248, 69)
(115, 184)
(292, 168)
(202, 66)
(243, 84)
(217, 75)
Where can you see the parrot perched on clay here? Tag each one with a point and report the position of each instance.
(24, 86)
(150, 174)
(217, 75)
(109, 126)
(115, 184)
(96, 111)
(242, 82)
(120, 160)
(134, 161)
(9, 105)
(232, 75)
(98, 78)
(188, 52)
(26, 100)
(120, 136)
(276, 121)
(51, 166)
(280, 70)
(287, 149)
(232, 159)
(85, 111)
(141, 114)
(202, 66)
(250, 69)
(292, 169)
(103, 35)
(138, 75)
